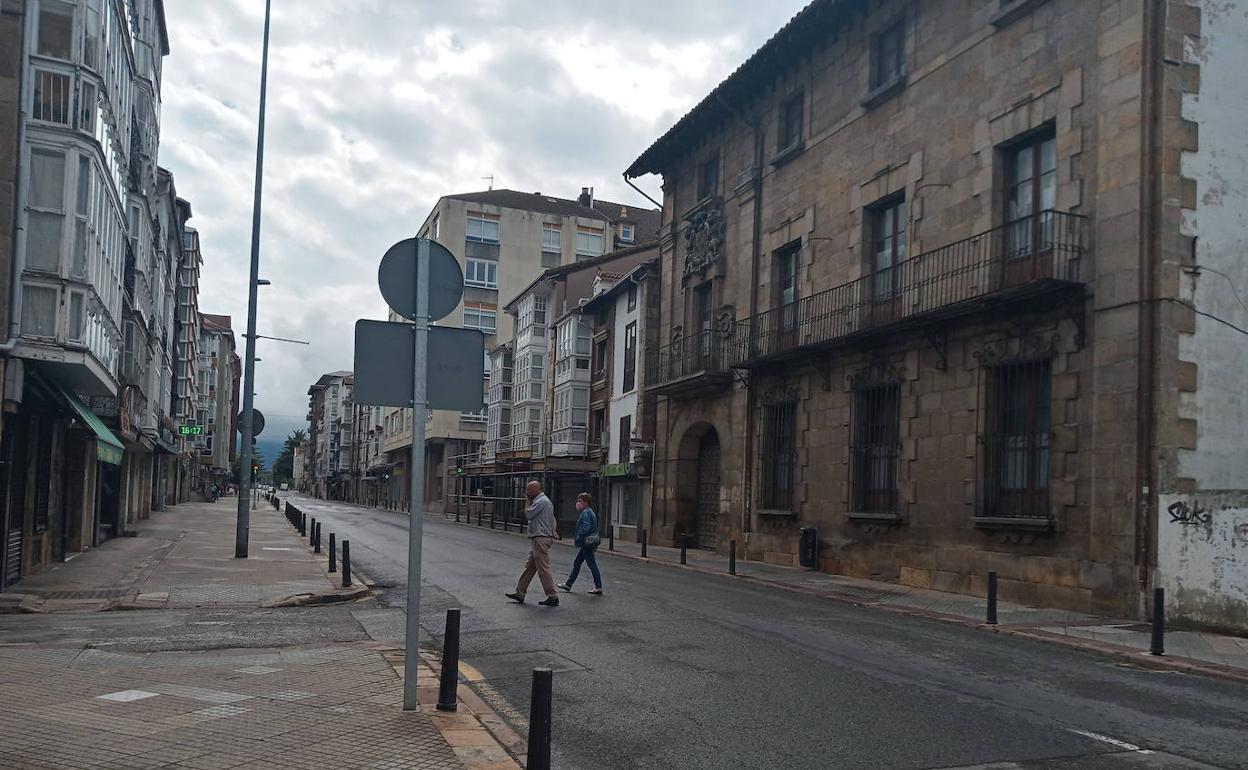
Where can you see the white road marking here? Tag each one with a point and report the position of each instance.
(1111, 741)
(125, 696)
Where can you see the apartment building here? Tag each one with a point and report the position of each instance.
(538, 396)
(187, 398)
(87, 270)
(331, 416)
(368, 460)
(503, 239)
(218, 376)
(935, 274)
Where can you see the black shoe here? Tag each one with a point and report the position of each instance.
(550, 601)
(564, 587)
(515, 598)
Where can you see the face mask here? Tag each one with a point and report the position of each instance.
(580, 506)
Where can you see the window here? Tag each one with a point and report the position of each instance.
(703, 321)
(626, 438)
(779, 449)
(626, 232)
(600, 359)
(1016, 440)
(630, 357)
(478, 318)
(552, 239)
(86, 108)
(77, 317)
(1031, 172)
(785, 267)
(790, 128)
(632, 297)
(52, 96)
(437, 226)
(56, 29)
(890, 56)
(588, 242)
(482, 228)
(39, 310)
(875, 448)
(47, 206)
(888, 246)
(550, 259)
(708, 177)
(482, 273)
(598, 431)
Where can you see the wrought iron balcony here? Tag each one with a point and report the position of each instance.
(1025, 259)
(691, 366)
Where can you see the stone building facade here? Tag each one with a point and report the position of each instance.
(929, 288)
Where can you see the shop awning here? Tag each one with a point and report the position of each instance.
(108, 448)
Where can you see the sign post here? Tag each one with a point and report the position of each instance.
(421, 281)
(415, 526)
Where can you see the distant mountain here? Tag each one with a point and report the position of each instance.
(269, 449)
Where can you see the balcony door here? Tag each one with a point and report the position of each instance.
(1031, 197)
(704, 326)
(888, 252)
(784, 298)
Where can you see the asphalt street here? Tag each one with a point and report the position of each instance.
(678, 669)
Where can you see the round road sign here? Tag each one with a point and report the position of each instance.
(397, 278)
(257, 422)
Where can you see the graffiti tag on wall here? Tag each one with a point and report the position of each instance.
(1182, 513)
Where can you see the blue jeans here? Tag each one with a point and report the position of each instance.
(585, 555)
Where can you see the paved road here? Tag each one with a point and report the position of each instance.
(678, 669)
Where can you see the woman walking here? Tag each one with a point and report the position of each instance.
(587, 541)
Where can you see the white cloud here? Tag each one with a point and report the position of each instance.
(376, 108)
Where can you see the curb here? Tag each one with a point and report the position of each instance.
(1129, 654)
(479, 737)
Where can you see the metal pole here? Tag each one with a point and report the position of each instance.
(732, 557)
(333, 556)
(242, 529)
(412, 655)
(992, 598)
(346, 563)
(1158, 643)
(539, 720)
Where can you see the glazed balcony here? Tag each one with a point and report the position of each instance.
(1028, 260)
(691, 366)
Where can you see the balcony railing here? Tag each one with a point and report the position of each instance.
(691, 365)
(1026, 257)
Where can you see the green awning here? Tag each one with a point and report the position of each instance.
(108, 448)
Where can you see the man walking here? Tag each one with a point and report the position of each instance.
(541, 515)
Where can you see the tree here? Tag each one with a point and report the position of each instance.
(284, 465)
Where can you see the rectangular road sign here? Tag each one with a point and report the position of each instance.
(384, 366)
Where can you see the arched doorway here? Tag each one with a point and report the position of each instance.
(706, 510)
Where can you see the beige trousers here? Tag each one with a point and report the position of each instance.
(538, 562)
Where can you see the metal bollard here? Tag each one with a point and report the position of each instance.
(732, 557)
(491, 519)
(316, 548)
(303, 523)
(992, 598)
(333, 555)
(312, 531)
(449, 678)
(643, 544)
(684, 547)
(539, 720)
(610, 537)
(1158, 645)
(346, 563)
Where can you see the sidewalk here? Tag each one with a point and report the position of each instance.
(184, 557)
(336, 704)
(1207, 653)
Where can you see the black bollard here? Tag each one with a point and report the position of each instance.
(643, 544)
(610, 537)
(491, 519)
(316, 548)
(732, 557)
(346, 563)
(539, 720)
(333, 555)
(312, 531)
(303, 523)
(449, 678)
(1158, 645)
(992, 598)
(684, 546)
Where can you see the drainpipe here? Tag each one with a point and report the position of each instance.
(1146, 424)
(629, 181)
(20, 195)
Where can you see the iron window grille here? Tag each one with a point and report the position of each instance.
(779, 455)
(875, 447)
(1016, 440)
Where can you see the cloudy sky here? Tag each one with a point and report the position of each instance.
(378, 107)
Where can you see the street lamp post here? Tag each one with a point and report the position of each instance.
(249, 362)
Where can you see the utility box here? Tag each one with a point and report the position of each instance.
(808, 548)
